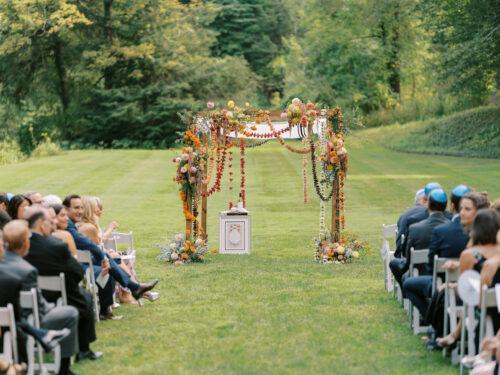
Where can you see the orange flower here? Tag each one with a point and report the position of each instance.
(184, 256)
(253, 127)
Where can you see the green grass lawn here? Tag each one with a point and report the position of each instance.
(275, 311)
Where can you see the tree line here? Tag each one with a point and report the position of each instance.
(117, 73)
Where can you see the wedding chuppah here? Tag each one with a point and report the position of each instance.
(214, 142)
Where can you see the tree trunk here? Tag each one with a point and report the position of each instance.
(390, 37)
(61, 72)
(108, 32)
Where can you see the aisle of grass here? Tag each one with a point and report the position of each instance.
(272, 312)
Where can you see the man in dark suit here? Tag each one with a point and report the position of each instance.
(16, 235)
(50, 256)
(447, 241)
(414, 214)
(74, 207)
(419, 234)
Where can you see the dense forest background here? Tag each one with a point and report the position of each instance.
(116, 73)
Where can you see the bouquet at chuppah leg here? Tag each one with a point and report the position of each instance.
(181, 251)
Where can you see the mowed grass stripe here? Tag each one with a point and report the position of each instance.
(275, 311)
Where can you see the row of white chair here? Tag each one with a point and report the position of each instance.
(452, 311)
(29, 301)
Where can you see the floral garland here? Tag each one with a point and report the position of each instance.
(304, 171)
(283, 143)
(242, 172)
(221, 161)
(317, 185)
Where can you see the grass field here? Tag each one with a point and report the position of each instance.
(275, 311)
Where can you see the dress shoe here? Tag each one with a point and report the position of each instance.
(110, 316)
(143, 288)
(52, 338)
(89, 354)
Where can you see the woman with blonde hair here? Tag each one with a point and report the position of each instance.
(90, 228)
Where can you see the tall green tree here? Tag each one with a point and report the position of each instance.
(466, 35)
(253, 29)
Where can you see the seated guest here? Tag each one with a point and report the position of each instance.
(4, 218)
(17, 205)
(16, 235)
(35, 197)
(73, 204)
(50, 256)
(414, 215)
(50, 200)
(419, 209)
(419, 234)
(4, 201)
(61, 224)
(447, 241)
(483, 256)
(89, 227)
(10, 289)
(111, 227)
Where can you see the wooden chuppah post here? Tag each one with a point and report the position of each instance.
(204, 198)
(189, 223)
(336, 210)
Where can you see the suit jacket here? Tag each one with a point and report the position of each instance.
(83, 243)
(10, 287)
(447, 241)
(29, 279)
(412, 215)
(51, 256)
(419, 234)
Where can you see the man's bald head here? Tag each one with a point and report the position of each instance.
(17, 237)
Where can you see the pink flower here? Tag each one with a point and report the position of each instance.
(284, 115)
(178, 237)
(192, 180)
(296, 101)
(193, 169)
(210, 105)
(184, 170)
(185, 157)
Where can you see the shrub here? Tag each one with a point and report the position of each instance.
(46, 148)
(10, 152)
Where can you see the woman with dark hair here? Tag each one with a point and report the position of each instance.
(17, 205)
(470, 204)
(483, 255)
(61, 221)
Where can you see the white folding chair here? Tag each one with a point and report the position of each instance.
(488, 299)
(452, 312)
(124, 242)
(85, 257)
(8, 320)
(54, 284)
(469, 321)
(417, 257)
(29, 301)
(389, 233)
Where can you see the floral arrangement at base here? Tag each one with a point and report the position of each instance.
(180, 251)
(343, 251)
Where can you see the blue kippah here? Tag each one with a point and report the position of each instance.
(438, 195)
(431, 186)
(460, 190)
(9, 196)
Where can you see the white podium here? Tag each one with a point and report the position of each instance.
(234, 233)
